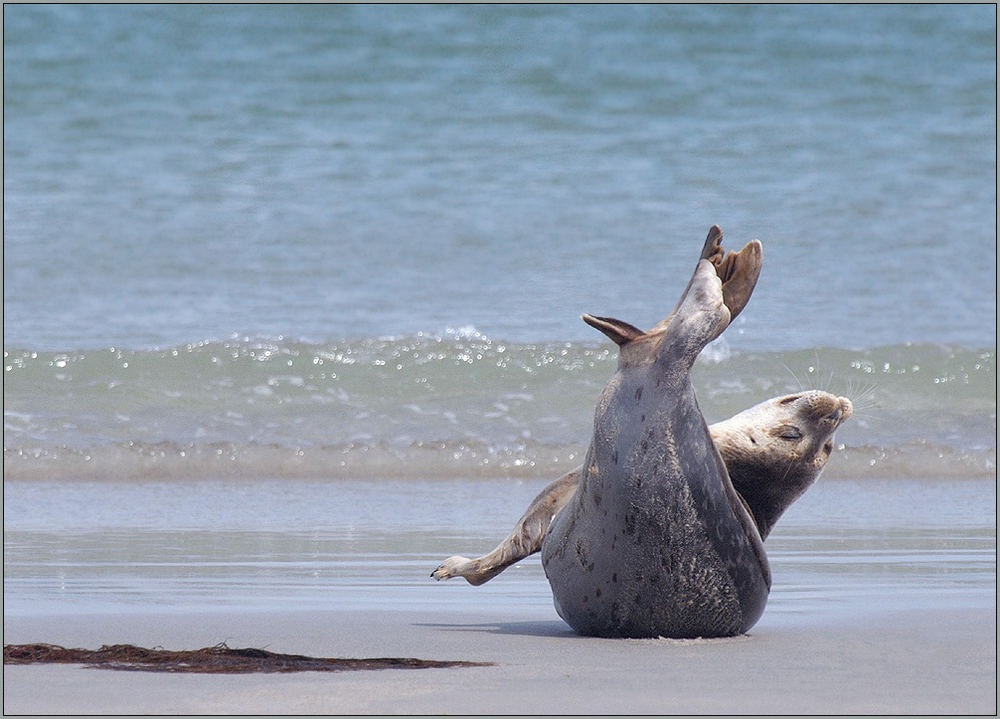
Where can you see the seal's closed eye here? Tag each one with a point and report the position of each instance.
(789, 432)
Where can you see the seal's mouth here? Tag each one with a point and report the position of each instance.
(835, 418)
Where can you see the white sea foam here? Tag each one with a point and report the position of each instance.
(513, 408)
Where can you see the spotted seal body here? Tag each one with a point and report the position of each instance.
(773, 452)
(656, 541)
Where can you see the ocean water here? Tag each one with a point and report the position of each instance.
(266, 258)
(180, 173)
(454, 406)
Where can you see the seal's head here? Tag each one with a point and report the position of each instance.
(776, 450)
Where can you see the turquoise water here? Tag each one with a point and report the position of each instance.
(453, 406)
(177, 173)
(358, 239)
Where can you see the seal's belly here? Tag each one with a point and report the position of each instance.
(654, 549)
(651, 574)
(656, 542)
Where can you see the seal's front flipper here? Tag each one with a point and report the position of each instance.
(525, 539)
(455, 566)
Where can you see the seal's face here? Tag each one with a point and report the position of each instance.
(803, 426)
(776, 450)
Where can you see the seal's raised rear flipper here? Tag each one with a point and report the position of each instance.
(739, 272)
(620, 332)
(735, 273)
(718, 291)
(712, 250)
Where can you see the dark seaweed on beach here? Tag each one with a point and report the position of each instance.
(219, 659)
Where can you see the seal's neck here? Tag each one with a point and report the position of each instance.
(765, 501)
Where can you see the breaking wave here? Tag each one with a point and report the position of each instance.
(449, 405)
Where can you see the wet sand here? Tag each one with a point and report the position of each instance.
(915, 661)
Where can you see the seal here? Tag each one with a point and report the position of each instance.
(651, 537)
(656, 541)
(773, 453)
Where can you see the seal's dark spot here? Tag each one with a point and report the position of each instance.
(638, 394)
(598, 592)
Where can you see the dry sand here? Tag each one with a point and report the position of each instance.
(918, 661)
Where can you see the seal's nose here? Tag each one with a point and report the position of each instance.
(846, 407)
(843, 410)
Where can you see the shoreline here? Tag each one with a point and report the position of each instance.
(914, 661)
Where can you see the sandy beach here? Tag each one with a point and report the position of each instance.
(883, 603)
(912, 662)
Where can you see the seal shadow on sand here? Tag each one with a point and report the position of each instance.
(561, 630)
(553, 628)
